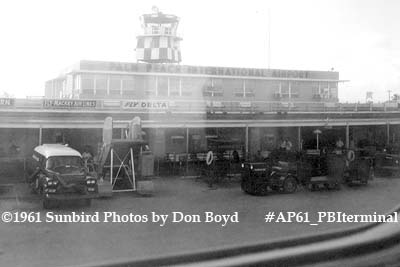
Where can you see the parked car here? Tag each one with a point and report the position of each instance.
(57, 172)
(315, 169)
(387, 161)
(278, 173)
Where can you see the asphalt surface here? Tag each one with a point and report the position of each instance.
(68, 243)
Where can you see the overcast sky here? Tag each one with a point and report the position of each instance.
(358, 38)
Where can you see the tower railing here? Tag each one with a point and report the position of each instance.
(190, 106)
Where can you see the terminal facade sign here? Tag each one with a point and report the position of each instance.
(145, 104)
(198, 70)
(68, 103)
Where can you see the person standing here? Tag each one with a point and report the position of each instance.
(339, 144)
(287, 144)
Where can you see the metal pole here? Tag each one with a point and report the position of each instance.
(187, 150)
(111, 165)
(387, 133)
(299, 138)
(133, 171)
(347, 136)
(247, 142)
(40, 134)
(269, 38)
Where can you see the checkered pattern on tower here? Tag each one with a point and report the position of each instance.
(159, 43)
(158, 54)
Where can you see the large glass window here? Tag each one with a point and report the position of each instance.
(213, 88)
(115, 84)
(162, 89)
(101, 84)
(87, 84)
(192, 85)
(315, 90)
(150, 86)
(333, 89)
(174, 86)
(296, 87)
(128, 87)
(247, 89)
(115, 87)
(284, 89)
(250, 86)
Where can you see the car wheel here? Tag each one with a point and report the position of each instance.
(261, 189)
(289, 185)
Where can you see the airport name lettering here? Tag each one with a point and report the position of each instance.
(203, 70)
(146, 104)
(227, 71)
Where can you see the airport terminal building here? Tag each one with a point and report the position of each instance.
(120, 80)
(183, 108)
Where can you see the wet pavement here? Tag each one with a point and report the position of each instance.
(72, 243)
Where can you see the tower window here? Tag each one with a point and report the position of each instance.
(140, 43)
(155, 42)
(155, 29)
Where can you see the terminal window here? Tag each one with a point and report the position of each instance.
(213, 88)
(150, 86)
(115, 86)
(162, 86)
(101, 86)
(245, 92)
(128, 87)
(249, 92)
(87, 84)
(212, 91)
(193, 85)
(174, 89)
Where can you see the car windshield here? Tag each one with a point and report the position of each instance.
(64, 164)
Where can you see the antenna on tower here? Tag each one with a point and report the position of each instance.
(269, 38)
(154, 9)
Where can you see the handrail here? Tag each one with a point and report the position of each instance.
(206, 105)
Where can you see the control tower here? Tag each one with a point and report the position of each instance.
(159, 42)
